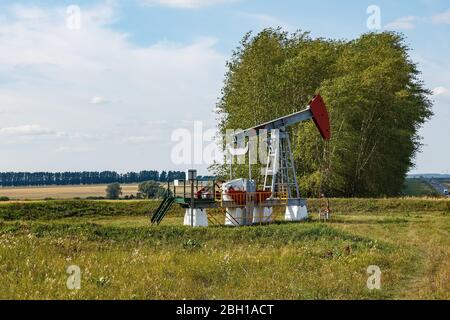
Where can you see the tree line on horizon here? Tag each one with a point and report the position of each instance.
(15, 179)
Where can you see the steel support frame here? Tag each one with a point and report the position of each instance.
(280, 167)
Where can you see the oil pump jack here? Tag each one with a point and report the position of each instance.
(245, 203)
(280, 177)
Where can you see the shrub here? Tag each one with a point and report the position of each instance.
(113, 191)
(152, 190)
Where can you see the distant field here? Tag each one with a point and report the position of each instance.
(71, 192)
(412, 188)
(62, 192)
(418, 188)
(447, 182)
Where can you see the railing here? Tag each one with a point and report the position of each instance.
(218, 197)
(209, 192)
(202, 190)
(259, 199)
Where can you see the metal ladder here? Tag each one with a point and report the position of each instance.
(280, 175)
(162, 210)
(272, 164)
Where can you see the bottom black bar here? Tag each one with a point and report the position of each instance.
(225, 309)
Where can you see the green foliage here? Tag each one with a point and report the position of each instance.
(373, 93)
(418, 188)
(113, 191)
(152, 189)
(4, 199)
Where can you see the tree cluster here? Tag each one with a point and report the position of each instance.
(373, 92)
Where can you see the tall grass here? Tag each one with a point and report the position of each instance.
(47, 210)
(386, 205)
(121, 257)
(74, 208)
(291, 261)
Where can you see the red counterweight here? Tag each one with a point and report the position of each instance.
(320, 116)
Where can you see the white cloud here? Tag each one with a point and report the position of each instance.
(140, 139)
(442, 94)
(73, 149)
(408, 22)
(265, 20)
(438, 91)
(443, 17)
(28, 13)
(99, 100)
(185, 4)
(403, 23)
(29, 130)
(54, 74)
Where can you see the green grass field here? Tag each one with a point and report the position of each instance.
(122, 257)
(418, 188)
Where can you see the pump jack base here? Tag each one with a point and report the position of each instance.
(200, 218)
(296, 210)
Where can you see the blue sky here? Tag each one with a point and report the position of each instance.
(109, 95)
